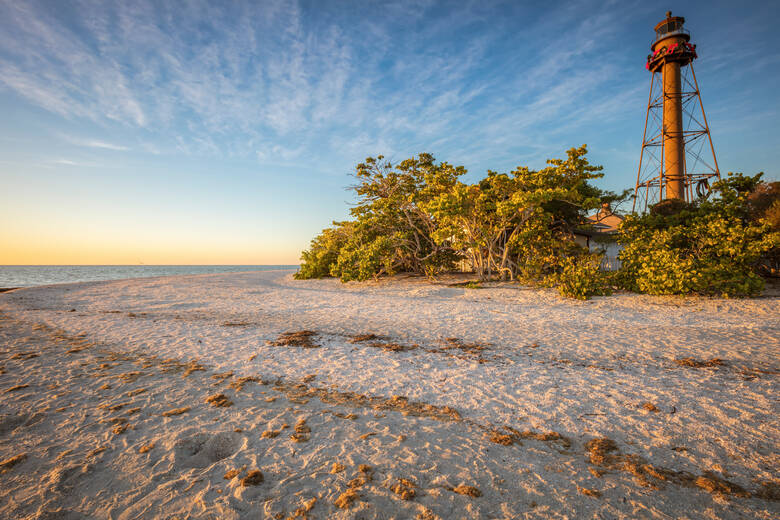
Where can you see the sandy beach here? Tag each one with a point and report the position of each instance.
(253, 395)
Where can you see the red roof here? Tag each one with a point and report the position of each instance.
(605, 221)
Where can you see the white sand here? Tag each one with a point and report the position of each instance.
(583, 370)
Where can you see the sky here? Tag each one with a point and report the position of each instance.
(202, 132)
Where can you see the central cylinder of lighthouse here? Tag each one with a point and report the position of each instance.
(674, 146)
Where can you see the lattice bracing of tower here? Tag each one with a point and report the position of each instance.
(686, 135)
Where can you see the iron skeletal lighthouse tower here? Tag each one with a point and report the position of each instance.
(675, 162)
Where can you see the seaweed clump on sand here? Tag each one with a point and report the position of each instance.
(238, 383)
(396, 403)
(219, 400)
(694, 363)
(589, 492)
(231, 474)
(393, 347)
(514, 436)
(24, 355)
(301, 338)
(253, 478)
(270, 434)
(365, 475)
(120, 429)
(501, 438)
(220, 377)
(404, 488)
(599, 451)
(650, 407)
(346, 499)
(718, 486)
(469, 491)
(174, 366)
(360, 338)
(604, 452)
(468, 348)
(468, 351)
(381, 342)
(302, 431)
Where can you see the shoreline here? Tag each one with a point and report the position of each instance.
(27, 276)
(529, 394)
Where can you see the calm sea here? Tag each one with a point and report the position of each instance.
(29, 275)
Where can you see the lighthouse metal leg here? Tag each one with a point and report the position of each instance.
(706, 125)
(642, 152)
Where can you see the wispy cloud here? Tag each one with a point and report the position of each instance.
(95, 143)
(70, 162)
(107, 146)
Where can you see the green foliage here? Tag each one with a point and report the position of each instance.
(324, 250)
(581, 278)
(390, 231)
(706, 247)
(418, 216)
(391, 204)
(519, 225)
(361, 260)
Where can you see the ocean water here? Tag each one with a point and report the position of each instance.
(30, 275)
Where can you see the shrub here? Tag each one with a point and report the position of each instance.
(707, 247)
(323, 253)
(581, 278)
(364, 260)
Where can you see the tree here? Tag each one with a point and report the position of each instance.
(391, 231)
(520, 224)
(418, 216)
(391, 202)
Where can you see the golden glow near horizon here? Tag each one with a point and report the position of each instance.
(92, 254)
(85, 251)
(85, 256)
(98, 247)
(118, 217)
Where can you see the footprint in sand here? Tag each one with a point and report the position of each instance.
(203, 449)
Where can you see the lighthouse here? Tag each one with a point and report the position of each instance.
(674, 163)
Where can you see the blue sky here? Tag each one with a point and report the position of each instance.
(225, 132)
